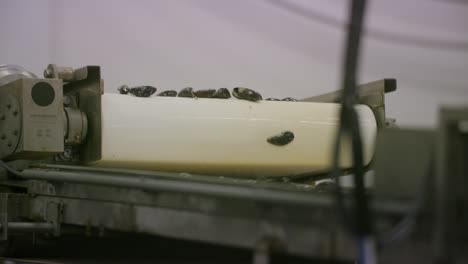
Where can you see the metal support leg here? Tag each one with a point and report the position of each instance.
(262, 252)
(4, 216)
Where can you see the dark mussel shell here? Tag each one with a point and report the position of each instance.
(289, 99)
(142, 91)
(281, 139)
(246, 94)
(186, 92)
(222, 93)
(123, 89)
(168, 93)
(208, 93)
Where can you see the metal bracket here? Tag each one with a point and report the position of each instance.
(40, 187)
(371, 94)
(84, 85)
(262, 253)
(49, 222)
(67, 74)
(48, 209)
(54, 215)
(271, 239)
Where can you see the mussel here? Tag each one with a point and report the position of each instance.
(246, 94)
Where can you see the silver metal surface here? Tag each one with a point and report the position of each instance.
(155, 184)
(39, 114)
(76, 126)
(9, 73)
(53, 71)
(87, 87)
(10, 125)
(227, 214)
(67, 74)
(231, 221)
(371, 94)
(277, 194)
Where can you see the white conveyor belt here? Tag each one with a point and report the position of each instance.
(224, 137)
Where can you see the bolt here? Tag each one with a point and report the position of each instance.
(67, 100)
(8, 106)
(15, 133)
(390, 122)
(2, 117)
(67, 154)
(3, 136)
(10, 144)
(15, 113)
(47, 73)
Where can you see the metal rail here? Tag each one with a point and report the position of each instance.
(154, 183)
(193, 187)
(29, 226)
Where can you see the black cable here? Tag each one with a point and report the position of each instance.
(344, 217)
(349, 127)
(363, 216)
(380, 35)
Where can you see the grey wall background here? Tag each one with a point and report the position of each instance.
(278, 47)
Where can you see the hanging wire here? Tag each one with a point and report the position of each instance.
(384, 36)
(359, 221)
